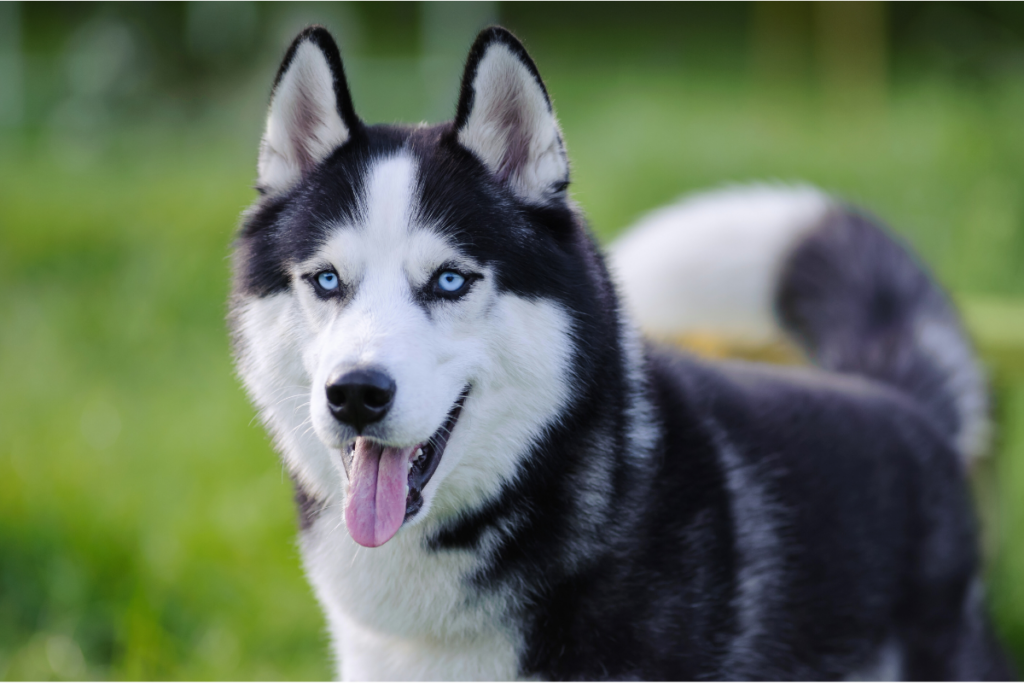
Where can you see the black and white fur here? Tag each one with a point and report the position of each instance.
(602, 508)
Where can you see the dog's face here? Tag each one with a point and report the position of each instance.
(399, 307)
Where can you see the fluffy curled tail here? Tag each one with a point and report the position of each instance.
(762, 263)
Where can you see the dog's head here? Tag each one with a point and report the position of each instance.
(405, 297)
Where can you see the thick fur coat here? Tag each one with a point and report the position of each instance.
(498, 478)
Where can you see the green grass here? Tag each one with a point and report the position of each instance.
(146, 526)
(142, 513)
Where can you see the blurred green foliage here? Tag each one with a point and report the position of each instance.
(146, 526)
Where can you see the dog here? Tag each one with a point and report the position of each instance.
(498, 478)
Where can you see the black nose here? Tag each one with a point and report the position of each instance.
(360, 397)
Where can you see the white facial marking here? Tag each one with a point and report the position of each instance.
(518, 391)
(273, 333)
(513, 353)
(385, 261)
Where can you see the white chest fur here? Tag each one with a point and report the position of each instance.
(401, 612)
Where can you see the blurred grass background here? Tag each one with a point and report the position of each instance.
(146, 527)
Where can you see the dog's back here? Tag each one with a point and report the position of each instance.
(853, 537)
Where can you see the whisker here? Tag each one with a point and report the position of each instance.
(289, 398)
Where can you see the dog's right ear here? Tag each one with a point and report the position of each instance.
(310, 114)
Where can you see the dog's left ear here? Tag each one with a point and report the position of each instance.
(505, 118)
(310, 114)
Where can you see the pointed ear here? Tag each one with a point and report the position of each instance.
(505, 118)
(310, 113)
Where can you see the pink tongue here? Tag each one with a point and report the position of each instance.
(375, 508)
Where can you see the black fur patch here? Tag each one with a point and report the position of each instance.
(283, 230)
(859, 302)
(309, 508)
(534, 250)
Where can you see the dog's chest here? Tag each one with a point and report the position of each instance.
(404, 612)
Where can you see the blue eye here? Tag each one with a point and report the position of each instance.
(327, 280)
(450, 281)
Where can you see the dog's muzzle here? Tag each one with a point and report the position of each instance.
(386, 482)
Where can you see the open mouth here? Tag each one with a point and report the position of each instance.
(386, 483)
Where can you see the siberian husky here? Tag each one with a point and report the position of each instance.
(498, 478)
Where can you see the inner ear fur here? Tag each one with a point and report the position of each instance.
(505, 118)
(310, 114)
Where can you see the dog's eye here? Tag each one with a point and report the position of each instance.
(450, 282)
(326, 283)
(327, 280)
